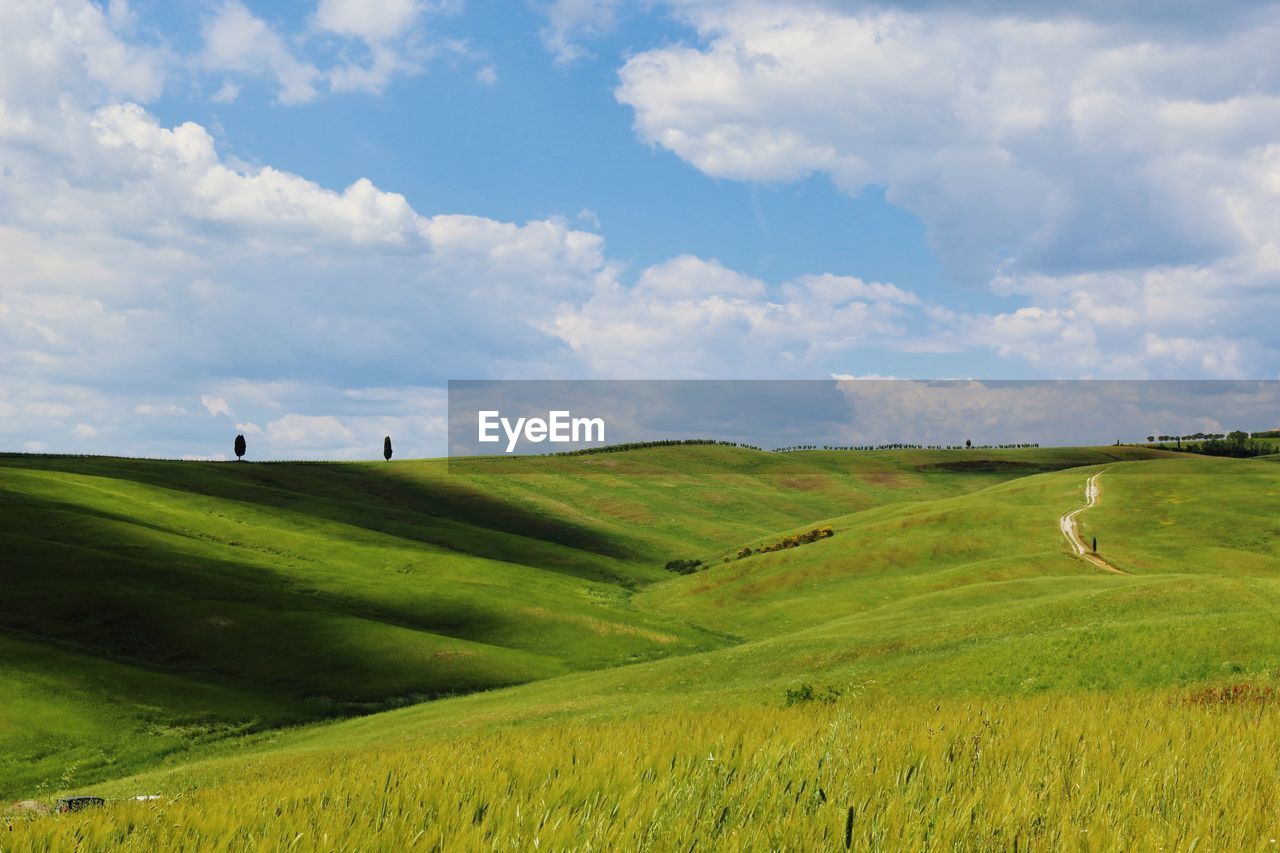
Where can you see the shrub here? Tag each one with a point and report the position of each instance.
(684, 567)
(790, 542)
(806, 693)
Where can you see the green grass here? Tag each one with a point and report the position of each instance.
(1198, 514)
(200, 599)
(1120, 772)
(947, 594)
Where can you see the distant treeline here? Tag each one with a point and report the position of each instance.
(672, 442)
(640, 445)
(1237, 444)
(1215, 436)
(869, 447)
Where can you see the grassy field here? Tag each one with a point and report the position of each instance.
(151, 607)
(1035, 697)
(1077, 773)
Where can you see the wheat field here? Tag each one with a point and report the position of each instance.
(1178, 771)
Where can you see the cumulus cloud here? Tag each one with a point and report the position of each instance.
(1121, 178)
(346, 46)
(215, 405)
(690, 317)
(1121, 192)
(137, 255)
(369, 21)
(570, 23)
(308, 431)
(56, 48)
(237, 40)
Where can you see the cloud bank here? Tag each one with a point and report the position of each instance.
(1121, 182)
(1121, 175)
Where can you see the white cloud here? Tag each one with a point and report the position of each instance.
(159, 410)
(346, 46)
(1074, 158)
(136, 254)
(487, 75)
(215, 405)
(571, 22)
(226, 94)
(84, 431)
(690, 317)
(308, 431)
(237, 40)
(371, 21)
(76, 50)
(139, 255)
(842, 288)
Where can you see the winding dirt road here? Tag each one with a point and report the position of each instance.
(1092, 492)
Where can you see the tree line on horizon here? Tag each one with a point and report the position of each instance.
(968, 445)
(1237, 444)
(1211, 436)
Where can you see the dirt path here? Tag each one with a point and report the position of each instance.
(1092, 492)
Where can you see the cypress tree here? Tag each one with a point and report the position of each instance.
(386, 448)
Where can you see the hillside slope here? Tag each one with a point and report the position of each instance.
(152, 607)
(995, 681)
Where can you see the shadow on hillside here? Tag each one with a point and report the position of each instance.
(75, 576)
(452, 515)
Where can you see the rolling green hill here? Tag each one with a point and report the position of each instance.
(219, 602)
(152, 606)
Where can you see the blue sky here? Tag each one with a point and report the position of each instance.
(550, 139)
(299, 220)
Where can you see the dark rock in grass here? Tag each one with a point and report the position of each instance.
(75, 804)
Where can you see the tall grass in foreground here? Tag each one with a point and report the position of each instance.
(1091, 772)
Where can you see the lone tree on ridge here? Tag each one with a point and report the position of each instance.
(240, 447)
(386, 448)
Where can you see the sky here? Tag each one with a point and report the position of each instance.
(298, 220)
